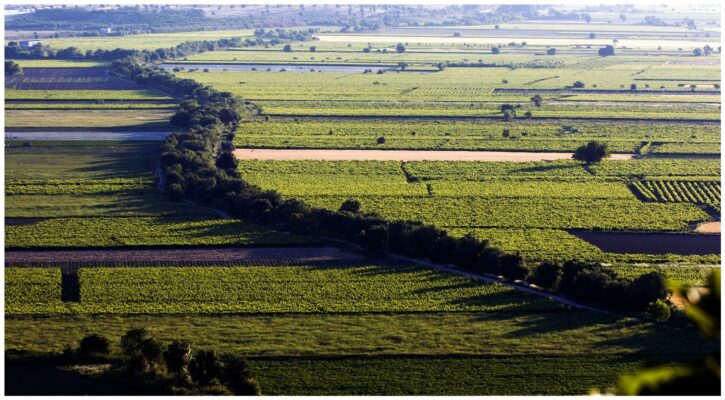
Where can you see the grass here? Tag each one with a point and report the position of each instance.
(413, 353)
(139, 119)
(80, 161)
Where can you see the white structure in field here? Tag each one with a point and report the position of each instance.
(30, 43)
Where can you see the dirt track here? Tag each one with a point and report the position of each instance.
(403, 155)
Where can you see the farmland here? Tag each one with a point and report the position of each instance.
(337, 274)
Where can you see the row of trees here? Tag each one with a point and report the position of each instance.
(144, 359)
(199, 165)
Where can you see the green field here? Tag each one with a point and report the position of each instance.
(134, 119)
(524, 207)
(151, 41)
(525, 135)
(96, 95)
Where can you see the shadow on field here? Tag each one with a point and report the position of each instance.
(124, 160)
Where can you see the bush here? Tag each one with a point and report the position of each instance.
(645, 289)
(350, 205)
(381, 140)
(547, 275)
(658, 311)
(178, 357)
(238, 377)
(205, 367)
(512, 266)
(94, 344)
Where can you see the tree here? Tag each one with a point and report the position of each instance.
(142, 352)
(658, 311)
(537, 100)
(400, 48)
(592, 35)
(350, 205)
(495, 50)
(578, 84)
(707, 50)
(178, 357)
(313, 49)
(508, 115)
(622, 17)
(380, 140)
(547, 275)
(633, 87)
(238, 377)
(592, 152)
(12, 68)
(512, 267)
(697, 377)
(587, 18)
(287, 48)
(606, 51)
(94, 344)
(551, 51)
(697, 52)
(366, 49)
(204, 367)
(227, 161)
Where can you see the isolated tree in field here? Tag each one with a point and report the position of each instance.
(578, 84)
(551, 51)
(606, 51)
(12, 68)
(366, 49)
(495, 50)
(537, 100)
(587, 17)
(633, 87)
(592, 152)
(697, 52)
(287, 48)
(592, 35)
(402, 66)
(313, 49)
(350, 205)
(178, 357)
(707, 50)
(400, 48)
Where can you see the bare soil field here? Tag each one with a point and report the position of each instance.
(184, 257)
(708, 227)
(403, 155)
(652, 243)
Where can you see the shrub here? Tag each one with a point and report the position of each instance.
(178, 357)
(94, 344)
(547, 275)
(350, 205)
(381, 140)
(512, 267)
(658, 311)
(204, 367)
(238, 377)
(646, 289)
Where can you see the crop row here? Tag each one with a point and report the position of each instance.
(94, 95)
(679, 191)
(269, 289)
(141, 231)
(76, 186)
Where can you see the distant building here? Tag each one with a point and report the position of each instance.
(107, 31)
(30, 43)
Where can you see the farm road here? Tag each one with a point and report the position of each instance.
(404, 155)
